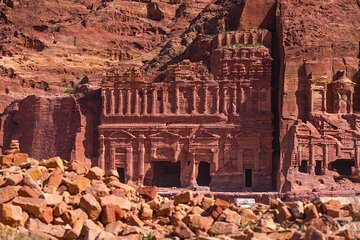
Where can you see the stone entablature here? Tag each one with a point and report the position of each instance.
(190, 116)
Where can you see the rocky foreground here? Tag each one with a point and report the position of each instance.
(54, 199)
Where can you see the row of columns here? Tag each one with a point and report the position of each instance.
(141, 106)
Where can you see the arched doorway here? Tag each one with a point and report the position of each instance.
(342, 166)
(203, 178)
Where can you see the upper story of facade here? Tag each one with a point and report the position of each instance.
(236, 87)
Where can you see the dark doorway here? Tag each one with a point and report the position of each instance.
(248, 178)
(343, 167)
(121, 172)
(166, 174)
(318, 168)
(303, 167)
(203, 178)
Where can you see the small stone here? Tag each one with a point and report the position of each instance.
(91, 230)
(112, 213)
(35, 206)
(183, 197)
(216, 212)
(55, 178)
(11, 215)
(198, 222)
(75, 231)
(47, 215)
(135, 221)
(184, 231)
(146, 212)
(310, 212)
(37, 172)
(115, 227)
(71, 216)
(165, 209)
(207, 202)
(267, 223)
(8, 193)
(60, 209)
(80, 167)
(78, 185)
(123, 203)
(95, 173)
(148, 193)
(297, 209)
(222, 203)
(283, 213)
(223, 228)
(314, 234)
(230, 216)
(91, 206)
(55, 162)
(14, 179)
(51, 199)
(26, 191)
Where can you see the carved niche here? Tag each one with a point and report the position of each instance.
(343, 90)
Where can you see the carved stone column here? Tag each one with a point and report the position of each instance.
(215, 158)
(299, 155)
(192, 180)
(129, 164)
(112, 101)
(104, 102)
(154, 100)
(249, 100)
(312, 158)
(101, 161)
(217, 98)
(227, 149)
(225, 104)
(165, 99)
(206, 99)
(351, 100)
(128, 101)
(194, 96)
(112, 163)
(234, 101)
(136, 102)
(240, 160)
(145, 104)
(357, 157)
(141, 165)
(177, 101)
(121, 102)
(325, 159)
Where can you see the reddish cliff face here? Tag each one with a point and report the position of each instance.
(54, 126)
(314, 46)
(319, 47)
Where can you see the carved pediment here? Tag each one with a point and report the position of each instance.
(165, 136)
(204, 134)
(122, 135)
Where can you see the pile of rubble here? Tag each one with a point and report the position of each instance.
(55, 199)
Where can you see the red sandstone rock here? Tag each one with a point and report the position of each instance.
(10, 215)
(8, 193)
(47, 215)
(149, 193)
(34, 206)
(91, 205)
